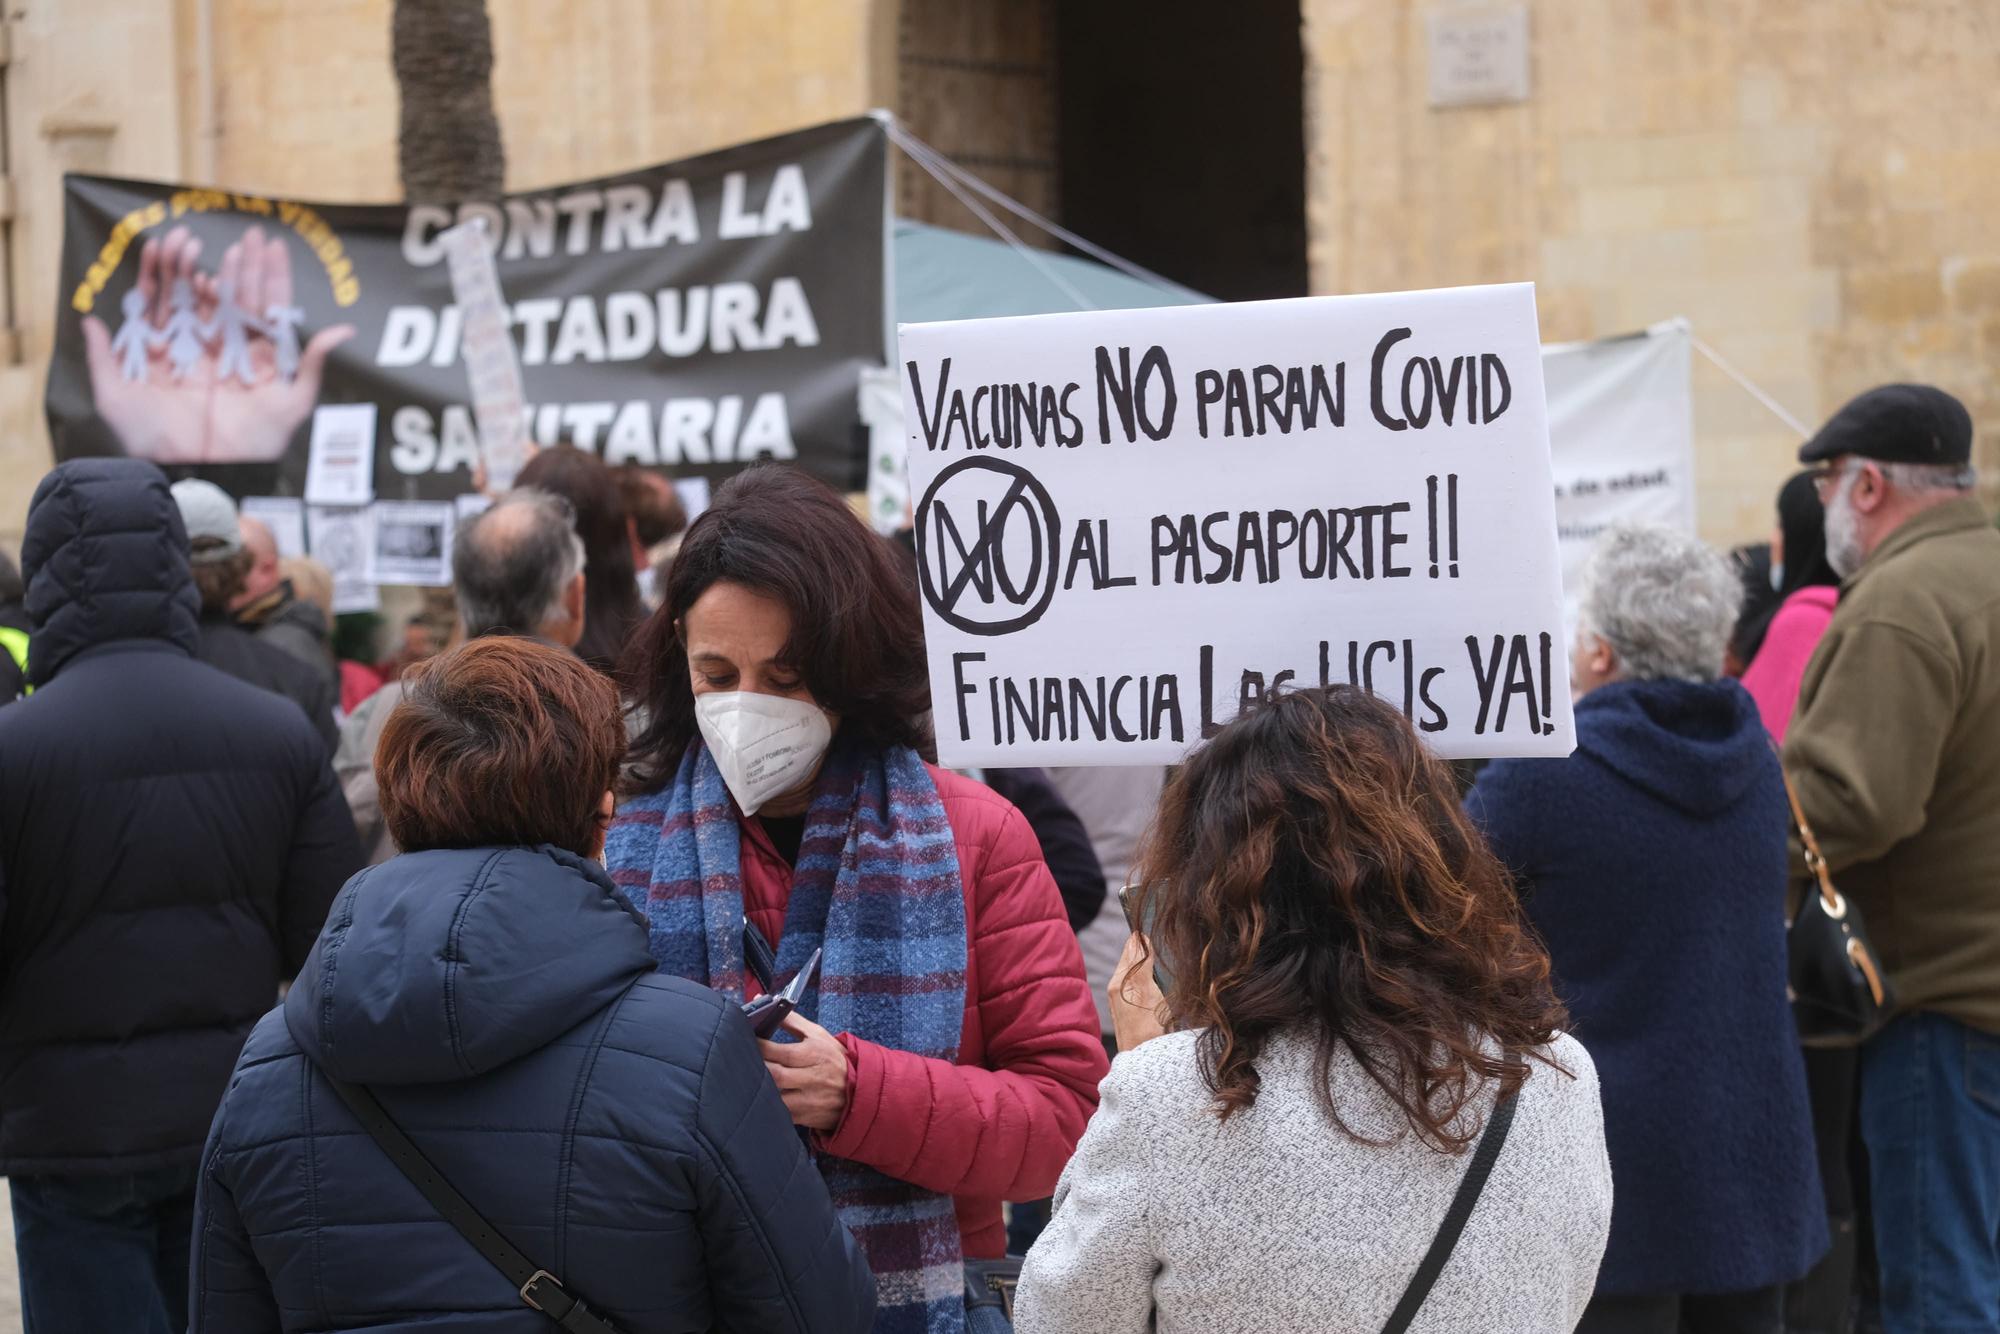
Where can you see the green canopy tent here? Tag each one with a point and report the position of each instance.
(947, 275)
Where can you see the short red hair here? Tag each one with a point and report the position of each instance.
(501, 742)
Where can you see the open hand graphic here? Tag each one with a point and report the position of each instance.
(214, 385)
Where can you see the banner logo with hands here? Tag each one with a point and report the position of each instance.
(207, 367)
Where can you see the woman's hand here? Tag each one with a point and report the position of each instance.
(1138, 1011)
(811, 1074)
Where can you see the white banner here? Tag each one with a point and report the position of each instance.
(1132, 523)
(1621, 436)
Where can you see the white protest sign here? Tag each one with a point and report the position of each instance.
(498, 399)
(1131, 523)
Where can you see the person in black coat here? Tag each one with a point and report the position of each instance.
(1652, 863)
(14, 629)
(221, 565)
(1066, 845)
(170, 839)
(492, 987)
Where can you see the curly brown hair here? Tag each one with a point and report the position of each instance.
(1310, 870)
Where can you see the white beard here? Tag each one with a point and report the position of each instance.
(1843, 535)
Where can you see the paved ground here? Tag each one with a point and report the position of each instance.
(10, 1282)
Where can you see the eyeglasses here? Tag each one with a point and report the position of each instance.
(1826, 478)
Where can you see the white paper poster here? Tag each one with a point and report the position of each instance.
(340, 461)
(285, 516)
(341, 538)
(888, 478)
(490, 362)
(1131, 523)
(412, 542)
(693, 493)
(1621, 436)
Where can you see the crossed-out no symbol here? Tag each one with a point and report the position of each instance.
(987, 536)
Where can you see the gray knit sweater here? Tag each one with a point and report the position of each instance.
(1276, 1221)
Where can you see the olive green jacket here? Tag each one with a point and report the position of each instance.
(1895, 750)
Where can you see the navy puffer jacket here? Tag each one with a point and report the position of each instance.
(169, 842)
(615, 1124)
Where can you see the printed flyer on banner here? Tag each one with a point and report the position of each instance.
(696, 316)
(1131, 524)
(411, 542)
(342, 538)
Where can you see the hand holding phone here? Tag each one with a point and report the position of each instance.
(1127, 902)
(769, 1010)
(1138, 1008)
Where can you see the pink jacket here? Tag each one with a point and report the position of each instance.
(1001, 1123)
(1774, 674)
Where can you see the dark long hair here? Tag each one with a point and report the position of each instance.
(856, 640)
(1310, 870)
(611, 603)
(1802, 520)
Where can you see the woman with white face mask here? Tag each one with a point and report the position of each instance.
(947, 1056)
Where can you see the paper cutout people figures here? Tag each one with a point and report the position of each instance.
(186, 338)
(184, 334)
(281, 326)
(135, 337)
(232, 322)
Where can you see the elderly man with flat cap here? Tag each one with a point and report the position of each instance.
(1895, 750)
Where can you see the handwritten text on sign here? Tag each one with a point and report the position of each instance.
(1133, 523)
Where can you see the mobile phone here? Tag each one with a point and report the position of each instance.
(769, 1010)
(1125, 902)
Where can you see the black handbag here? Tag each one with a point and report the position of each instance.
(1840, 995)
(537, 1286)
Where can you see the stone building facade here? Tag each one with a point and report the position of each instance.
(1815, 186)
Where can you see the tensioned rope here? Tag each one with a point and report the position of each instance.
(1749, 386)
(933, 161)
(928, 158)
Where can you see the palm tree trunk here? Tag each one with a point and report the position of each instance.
(442, 51)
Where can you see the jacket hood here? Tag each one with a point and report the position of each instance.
(1696, 745)
(105, 558)
(442, 965)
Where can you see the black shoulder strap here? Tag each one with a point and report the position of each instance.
(538, 1287)
(1469, 1188)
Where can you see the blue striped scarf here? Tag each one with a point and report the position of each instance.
(877, 887)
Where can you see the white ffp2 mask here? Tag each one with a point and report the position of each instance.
(765, 745)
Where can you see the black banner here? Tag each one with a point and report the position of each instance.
(696, 316)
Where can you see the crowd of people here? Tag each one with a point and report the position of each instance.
(625, 960)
